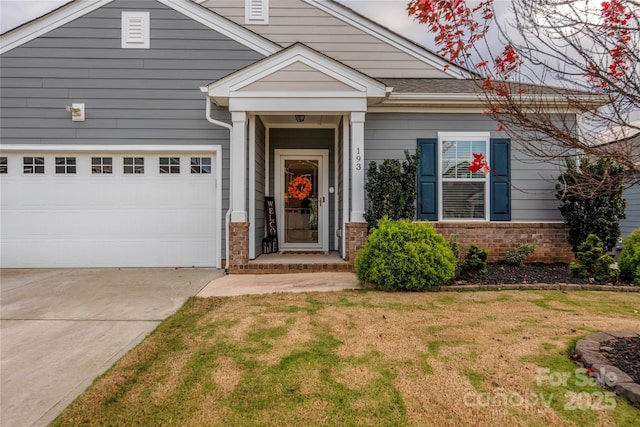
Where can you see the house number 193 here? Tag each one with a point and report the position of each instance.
(358, 160)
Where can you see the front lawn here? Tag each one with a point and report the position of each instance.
(366, 358)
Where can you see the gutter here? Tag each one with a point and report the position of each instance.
(229, 127)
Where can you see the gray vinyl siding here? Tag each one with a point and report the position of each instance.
(260, 182)
(132, 96)
(292, 21)
(632, 222)
(306, 139)
(387, 135)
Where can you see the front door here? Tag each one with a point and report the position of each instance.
(303, 205)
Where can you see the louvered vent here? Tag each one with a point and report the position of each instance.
(135, 30)
(256, 12)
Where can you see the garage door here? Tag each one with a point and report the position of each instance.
(108, 209)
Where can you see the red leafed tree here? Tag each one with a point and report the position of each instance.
(547, 62)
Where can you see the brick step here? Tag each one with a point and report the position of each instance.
(275, 268)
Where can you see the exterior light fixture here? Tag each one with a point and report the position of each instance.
(299, 118)
(77, 112)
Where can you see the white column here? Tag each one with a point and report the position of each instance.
(346, 173)
(252, 186)
(357, 167)
(238, 185)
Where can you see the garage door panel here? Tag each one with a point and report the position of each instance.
(108, 220)
(107, 253)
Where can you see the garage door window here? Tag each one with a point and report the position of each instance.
(33, 165)
(101, 165)
(169, 164)
(65, 165)
(201, 165)
(134, 165)
(3, 165)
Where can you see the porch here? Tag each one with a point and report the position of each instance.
(296, 141)
(280, 263)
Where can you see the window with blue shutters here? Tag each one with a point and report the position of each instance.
(449, 191)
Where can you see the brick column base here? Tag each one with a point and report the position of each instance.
(356, 237)
(238, 247)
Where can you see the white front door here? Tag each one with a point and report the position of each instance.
(302, 199)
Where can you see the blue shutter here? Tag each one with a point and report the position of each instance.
(500, 182)
(428, 179)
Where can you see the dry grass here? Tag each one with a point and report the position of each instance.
(363, 358)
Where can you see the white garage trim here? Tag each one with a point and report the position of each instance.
(106, 148)
(88, 150)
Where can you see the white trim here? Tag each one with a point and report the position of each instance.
(426, 109)
(232, 85)
(256, 12)
(218, 220)
(551, 103)
(252, 186)
(290, 105)
(357, 172)
(267, 159)
(107, 148)
(135, 29)
(238, 178)
(79, 8)
(336, 167)
(280, 155)
(465, 136)
(51, 21)
(223, 26)
(346, 180)
(347, 15)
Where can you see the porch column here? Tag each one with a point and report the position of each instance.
(357, 167)
(238, 185)
(356, 228)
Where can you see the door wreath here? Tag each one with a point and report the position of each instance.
(300, 187)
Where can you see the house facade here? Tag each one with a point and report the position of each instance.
(182, 133)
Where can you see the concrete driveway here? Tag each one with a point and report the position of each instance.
(62, 328)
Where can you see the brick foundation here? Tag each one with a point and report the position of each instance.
(270, 268)
(498, 238)
(356, 237)
(238, 248)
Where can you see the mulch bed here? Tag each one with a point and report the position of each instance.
(500, 273)
(624, 354)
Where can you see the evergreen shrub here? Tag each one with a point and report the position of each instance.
(592, 202)
(405, 256)
(474, 263)
(391, 189)
(629, 262)
(593, 262)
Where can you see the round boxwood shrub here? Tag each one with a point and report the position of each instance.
(405, 256)
(629, 262)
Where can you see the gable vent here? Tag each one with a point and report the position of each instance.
(135, 30)
(256, 12)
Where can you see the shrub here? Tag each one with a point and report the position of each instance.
(474, 263)
(629, 261)
(517, 255)
(391, 189)
(593, 262)
(592, 201)
(405, 256)
(456, 247)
